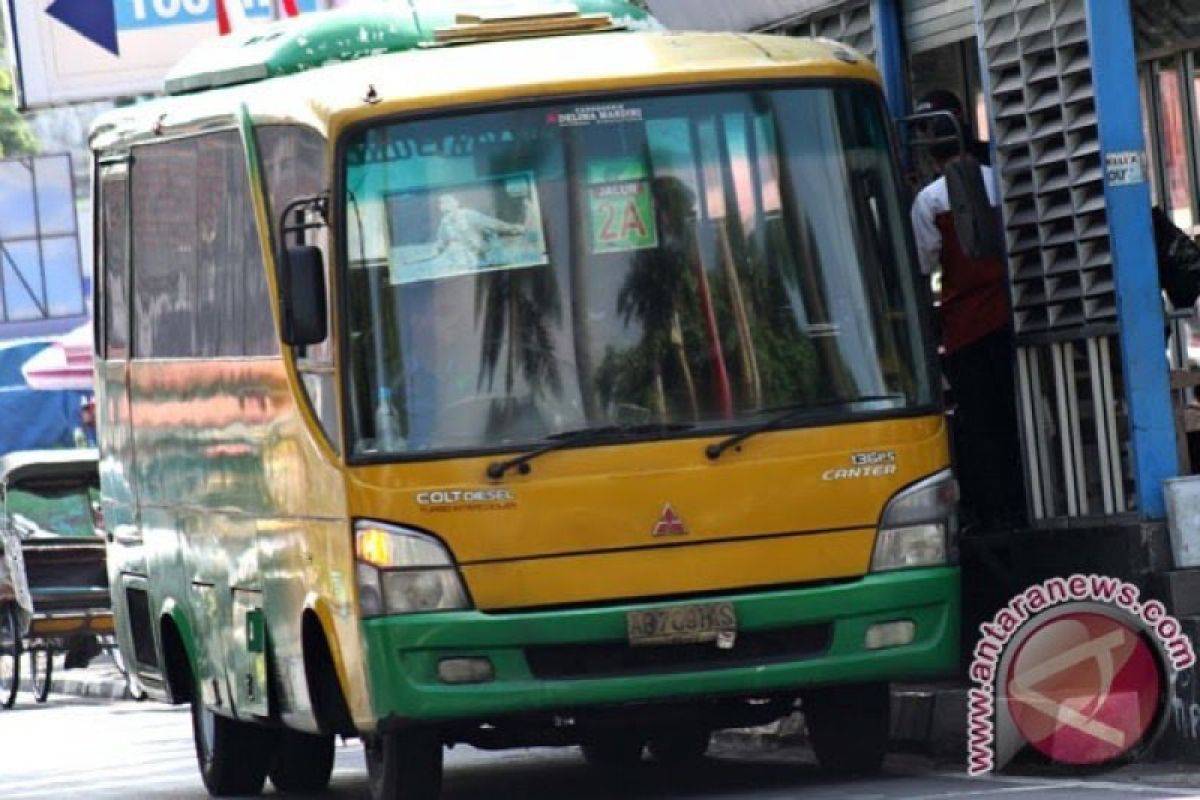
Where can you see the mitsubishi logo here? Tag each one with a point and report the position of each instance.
(669, 523)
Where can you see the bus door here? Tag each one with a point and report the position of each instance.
(127, 571)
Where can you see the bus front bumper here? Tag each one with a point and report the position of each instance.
(576, 658)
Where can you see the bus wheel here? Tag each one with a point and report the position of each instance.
(303, 762)
(680, 746)
(848, 726)
(612, 751)
(406, 765)
(233, 755)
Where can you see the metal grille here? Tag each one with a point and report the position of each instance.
(850, 24)
(1075, 429)
(936, 23)
(1038, 63)
(1048, 153)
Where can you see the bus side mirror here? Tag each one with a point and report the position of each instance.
(305, 318)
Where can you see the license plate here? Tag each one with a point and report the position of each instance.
(711, 622)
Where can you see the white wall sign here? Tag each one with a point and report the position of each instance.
(67, 51)
(1125, 168)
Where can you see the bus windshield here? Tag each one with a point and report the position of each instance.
(701, 260)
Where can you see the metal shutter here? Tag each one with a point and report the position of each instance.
(850, 23)
(933, 23)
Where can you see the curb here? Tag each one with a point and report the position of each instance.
(115, 688)
(99, 682)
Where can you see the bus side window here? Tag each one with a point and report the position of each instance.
(230, 254)
(293, 166)
(113, 208)
(196, 250)
(163, 206)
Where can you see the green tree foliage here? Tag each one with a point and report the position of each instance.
(16, 138)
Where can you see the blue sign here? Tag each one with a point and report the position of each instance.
(100, 20)
(140, 14)
(94, 21)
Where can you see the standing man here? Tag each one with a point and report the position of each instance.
(975, 318)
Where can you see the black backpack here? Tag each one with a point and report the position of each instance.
(976, 221)
(1178, 261)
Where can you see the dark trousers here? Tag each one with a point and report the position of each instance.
(987, 451)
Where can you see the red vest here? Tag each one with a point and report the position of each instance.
(974, 291)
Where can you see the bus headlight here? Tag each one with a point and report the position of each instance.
(401, 571)
(918, 525)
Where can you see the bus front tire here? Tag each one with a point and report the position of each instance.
(406, 765)
(303, 762)
(233, 755)
(848, 726)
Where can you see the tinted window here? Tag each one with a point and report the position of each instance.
(116, 288)
(200, 285)
(293, 163)
(164, 246)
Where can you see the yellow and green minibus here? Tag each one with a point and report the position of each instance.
(515, 379)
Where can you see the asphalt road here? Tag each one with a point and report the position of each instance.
(98, 749)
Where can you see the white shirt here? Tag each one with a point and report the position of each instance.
(933, 200)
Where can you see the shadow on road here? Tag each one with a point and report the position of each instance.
(559, 774)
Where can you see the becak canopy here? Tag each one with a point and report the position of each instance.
(65, 364)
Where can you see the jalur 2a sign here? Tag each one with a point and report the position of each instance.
(67, 51)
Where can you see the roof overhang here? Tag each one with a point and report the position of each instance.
(722, 15)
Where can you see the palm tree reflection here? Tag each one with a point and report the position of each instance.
(518, 309)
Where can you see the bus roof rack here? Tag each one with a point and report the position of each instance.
(318, 38)
(470, 28)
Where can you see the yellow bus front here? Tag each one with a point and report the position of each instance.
(638, 397)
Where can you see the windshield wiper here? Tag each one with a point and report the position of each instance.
(789, 413)
(557, 441)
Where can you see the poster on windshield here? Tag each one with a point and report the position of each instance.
(460, 229)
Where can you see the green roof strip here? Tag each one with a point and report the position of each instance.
(306, 42)
(323, 37)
